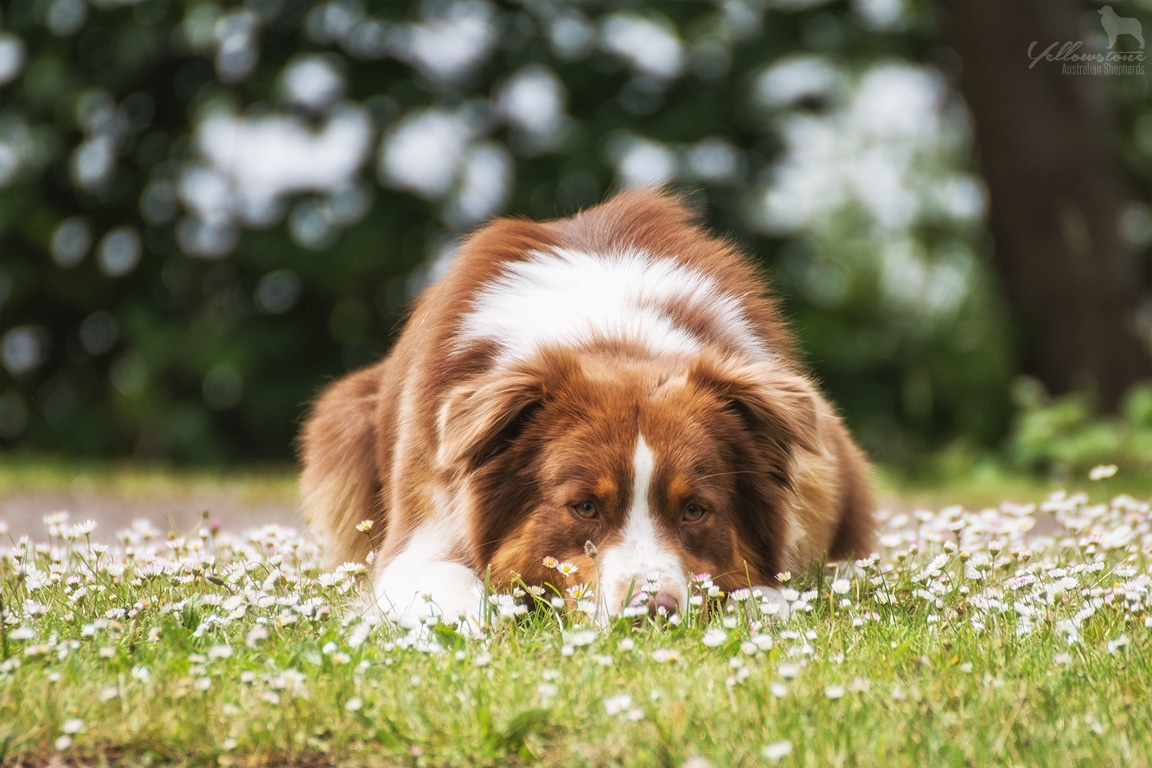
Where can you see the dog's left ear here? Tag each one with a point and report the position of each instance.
(481, 418)
(777, 404)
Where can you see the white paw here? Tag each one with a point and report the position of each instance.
(430, 592)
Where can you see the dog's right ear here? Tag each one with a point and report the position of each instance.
(482, 417)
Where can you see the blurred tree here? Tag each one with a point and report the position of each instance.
(210, 208)
(1057, 197)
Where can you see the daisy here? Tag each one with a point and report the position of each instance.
(614, 705)
(580, 591)
(583, 637)
(778, 750)
(220, 652)
(715, 637)
(1102, 472)
(85, 528)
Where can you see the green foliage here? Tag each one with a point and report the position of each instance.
(1066, 436)
(155, 301)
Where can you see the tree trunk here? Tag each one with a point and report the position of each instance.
(1055, 194)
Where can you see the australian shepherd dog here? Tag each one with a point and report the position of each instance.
(619, 377)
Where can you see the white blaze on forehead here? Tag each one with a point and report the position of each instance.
(568, 298)
(643, 553)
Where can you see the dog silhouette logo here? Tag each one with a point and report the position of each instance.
(1115, 26)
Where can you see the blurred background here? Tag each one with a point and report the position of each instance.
(208, 210)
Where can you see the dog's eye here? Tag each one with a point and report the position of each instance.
(586, 509)
(692, 513)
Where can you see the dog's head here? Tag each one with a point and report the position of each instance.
(666, 473)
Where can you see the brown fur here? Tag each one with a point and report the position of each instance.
(753, 442)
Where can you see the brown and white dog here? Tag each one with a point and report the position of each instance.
(619, 377)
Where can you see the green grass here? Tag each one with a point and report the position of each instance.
(34, 473)
(236, 649)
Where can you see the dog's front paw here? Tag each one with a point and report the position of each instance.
(443, 591)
